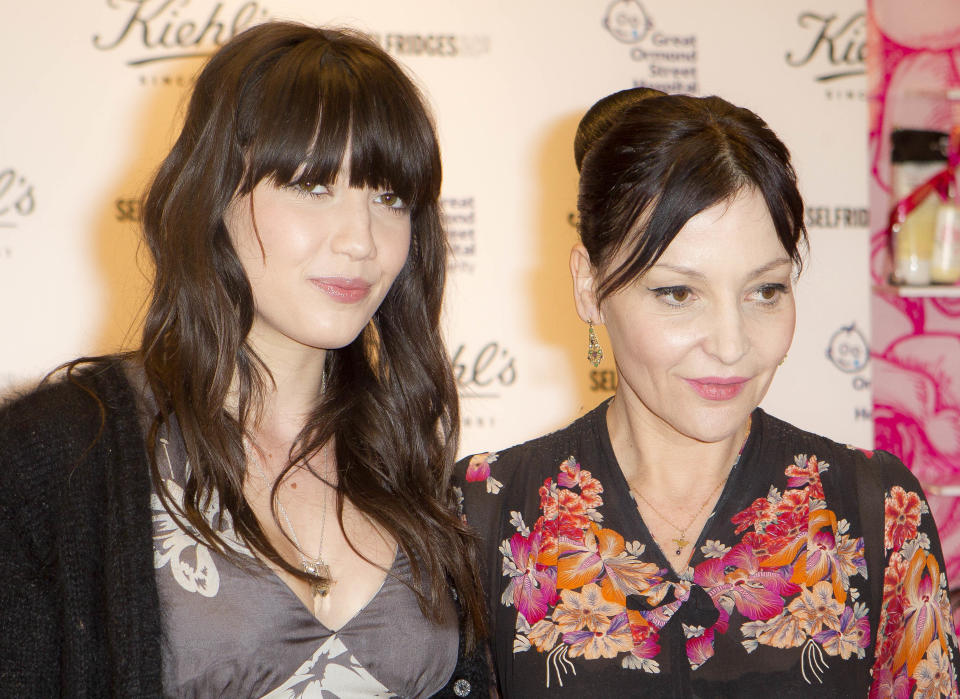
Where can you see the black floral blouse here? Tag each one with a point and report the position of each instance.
(778, 598)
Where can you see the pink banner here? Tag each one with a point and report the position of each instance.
(913, 63)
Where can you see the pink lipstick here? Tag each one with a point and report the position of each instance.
(718, 388)
(342, 289)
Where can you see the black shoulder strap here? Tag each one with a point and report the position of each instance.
(871, 502)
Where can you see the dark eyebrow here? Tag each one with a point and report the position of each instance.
(770, 266)
(694, 274)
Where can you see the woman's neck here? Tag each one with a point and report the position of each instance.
(290, 392)
(654, 456)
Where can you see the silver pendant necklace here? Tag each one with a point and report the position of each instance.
(314, 566)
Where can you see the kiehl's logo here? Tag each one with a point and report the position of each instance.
(16, 197)
(834, 46)
(167, 30)
(483, 372)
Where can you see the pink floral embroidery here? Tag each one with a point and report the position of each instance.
(533, 586)
(478, 469)
(806, 473)
(756, 592)
(851, 636)
(887, 686)
(902, 517)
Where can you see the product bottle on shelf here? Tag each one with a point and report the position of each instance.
(945, 262)
(916, 157)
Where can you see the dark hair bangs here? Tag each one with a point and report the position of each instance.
(310, 107)
(696, 179)
(777, 184)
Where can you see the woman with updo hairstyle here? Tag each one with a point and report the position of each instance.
(258, 500)
(678, 541)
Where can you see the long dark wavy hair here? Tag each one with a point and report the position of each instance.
(650, 161)
(287, 102)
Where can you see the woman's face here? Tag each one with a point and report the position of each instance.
(698, 337)
(329, 255)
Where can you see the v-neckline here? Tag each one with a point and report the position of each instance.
(353, 617)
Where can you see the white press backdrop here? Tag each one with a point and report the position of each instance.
(92, 92)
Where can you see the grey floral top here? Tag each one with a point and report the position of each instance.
(239, 631)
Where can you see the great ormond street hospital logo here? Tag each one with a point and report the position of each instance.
(627, 21)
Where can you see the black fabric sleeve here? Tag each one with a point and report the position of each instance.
(471, 676)
(29, 627)
(79, 612)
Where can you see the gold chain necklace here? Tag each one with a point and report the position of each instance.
(680, 541)
(315, 566)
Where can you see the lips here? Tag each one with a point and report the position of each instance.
(342, 289)
(718, 388)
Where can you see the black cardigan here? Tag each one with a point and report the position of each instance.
(79, 610)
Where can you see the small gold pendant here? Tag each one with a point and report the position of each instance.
(321, 570)
(681, 543)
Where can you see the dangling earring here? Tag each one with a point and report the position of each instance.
(782, 360)
(594, 350)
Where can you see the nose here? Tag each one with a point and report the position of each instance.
(727, 339)
(352, 233)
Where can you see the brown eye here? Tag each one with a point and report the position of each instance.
(769, 293)
(308, 187)
(674, 295)
(391, 200)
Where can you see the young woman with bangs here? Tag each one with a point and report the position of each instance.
(258, 500)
